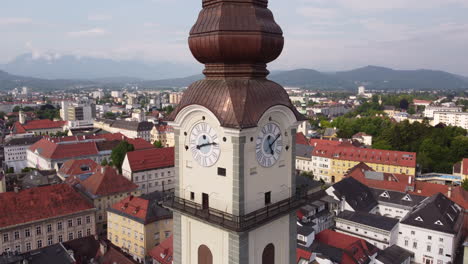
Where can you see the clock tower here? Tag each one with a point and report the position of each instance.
(235, 196)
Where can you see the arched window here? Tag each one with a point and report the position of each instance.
(204, 255)
(268, 256)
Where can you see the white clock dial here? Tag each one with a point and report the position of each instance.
(269, 145)
(204, 145)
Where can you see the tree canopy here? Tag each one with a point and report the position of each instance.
(119, 152)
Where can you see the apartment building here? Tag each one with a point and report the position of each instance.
(43, 216)
(15, 152)
(137, 224)
(430, 111)
(151, 169)
(452, 119)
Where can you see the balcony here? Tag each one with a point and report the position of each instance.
(244, 222)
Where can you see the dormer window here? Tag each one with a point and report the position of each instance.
(438, 222)
(407, 198)
(385, 195)
(419, 219)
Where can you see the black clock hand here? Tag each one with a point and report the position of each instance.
(272, 143)
(206, 144)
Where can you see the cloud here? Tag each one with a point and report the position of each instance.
(88, 33)
(7, 21)
(99, 17)
(319, 13)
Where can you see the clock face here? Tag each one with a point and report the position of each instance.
(204, 145)
(269, 145)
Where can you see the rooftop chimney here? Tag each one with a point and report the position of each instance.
(449, 193)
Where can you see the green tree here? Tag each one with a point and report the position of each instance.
(168, 109)
(16, 109)
(404, 104)
(104, 162)
(119, 152)
(465, 184)
(158, 144)
(10, 170)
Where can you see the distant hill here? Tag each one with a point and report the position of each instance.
(373, 77)
(52, 66)
(9, 82)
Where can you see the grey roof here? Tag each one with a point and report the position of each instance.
(376, 221)
(55, 254)
(357, 195)
(133, 125)
(437, 213)
(399, 198)
(373, 175)
(394, 255)
(23, 141)
(304, 151)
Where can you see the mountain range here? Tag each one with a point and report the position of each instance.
(54, 66)
(51, 72)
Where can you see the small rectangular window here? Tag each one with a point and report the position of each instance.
(192, 196)
(221, 171)
(267, 198)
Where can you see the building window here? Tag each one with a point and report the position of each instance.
(60, 238)
(412, 233)
(70, 223)
(167, 234)
(49, 228)
(88, 232)
(88, 219)
(59, 226)
(27, 232)
(50, 240)
(78, 221)
(441, 240)
(156, 236)
(17, 235)
(28, 246)
(80, 234)
(441, 251)
(192, 196)
(18, 248)
(5, 238)
(429, 237)
(70, 236)
(406, 243)
(38, 230)
(222, 171)
(267, 198)
(415, 245)
(136, 178)
(428, 248)
(39, 243)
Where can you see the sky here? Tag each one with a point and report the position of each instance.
(326, 35)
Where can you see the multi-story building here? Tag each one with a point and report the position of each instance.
(104, 188)
(304, 158)
(52, 153)
(131, 129)
(452, 119)
(163, 133)
(432, 230)
(137, 224)
(174, 98)
(152, 169)
(430, 111)
(15, 152)
(38, 127)
(332, 162)
(39, 217)
(78, 115)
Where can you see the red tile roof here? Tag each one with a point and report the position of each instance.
(349, 153)
(133, 206)
(302, 254)
(78, 167)
(50, 149)
(354, 248)
(317, 142)
(18, 128)
(149, 159)
(163, 253)
(416, 101)
(140, 143)
(465, 166)
(40, 203)
(107, 181)
(301, 139)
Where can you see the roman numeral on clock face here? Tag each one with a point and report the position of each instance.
(204, 144)
(269, 145)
